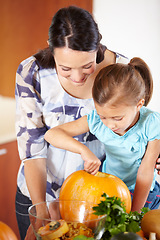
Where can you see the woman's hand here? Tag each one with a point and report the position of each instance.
(30, 234)
(43, 213)
(36, 177)
(91, 162)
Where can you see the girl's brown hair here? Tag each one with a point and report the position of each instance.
(123, 83)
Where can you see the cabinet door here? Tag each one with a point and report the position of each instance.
(24, 30)
(9, 164)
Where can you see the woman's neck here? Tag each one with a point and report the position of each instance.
(82, 92)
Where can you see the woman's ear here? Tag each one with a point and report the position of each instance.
(140, 104)
(48, 42)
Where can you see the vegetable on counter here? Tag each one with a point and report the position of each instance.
(6, 233)
(83, 186)
(118, 220)
(151, 223)
(82, 237)
(53, 230)
(126, 236)
(62, 230)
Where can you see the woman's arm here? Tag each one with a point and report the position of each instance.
(30, 130)
(62, 137)
(36, 177)
(145, 175)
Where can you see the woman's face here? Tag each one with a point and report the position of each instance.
(74, 66)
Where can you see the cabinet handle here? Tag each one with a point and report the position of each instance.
(3, 151)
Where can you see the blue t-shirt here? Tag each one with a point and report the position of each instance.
(124, 153)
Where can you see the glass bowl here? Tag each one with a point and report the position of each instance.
(62, 220)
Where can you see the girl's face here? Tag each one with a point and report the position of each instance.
(74, 66)
(119, 118)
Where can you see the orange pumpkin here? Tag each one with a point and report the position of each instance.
(6, 233)
(83, 186)
(150, 223)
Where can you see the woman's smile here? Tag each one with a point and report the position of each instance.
(77, 68)
(81, 81)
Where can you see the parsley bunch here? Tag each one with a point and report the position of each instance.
(117, 219)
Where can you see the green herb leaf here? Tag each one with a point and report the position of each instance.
(82, 237)
(117, 219)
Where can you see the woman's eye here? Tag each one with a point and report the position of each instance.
(87, 67)
(66, 69)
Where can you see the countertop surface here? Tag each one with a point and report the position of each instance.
(7, 119)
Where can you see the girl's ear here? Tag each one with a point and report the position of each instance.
(140, 104)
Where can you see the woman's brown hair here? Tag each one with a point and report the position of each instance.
(73, 27)
(124, 83)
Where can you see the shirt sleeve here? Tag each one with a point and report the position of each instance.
(94, 123)
(122, 59)
(153, 126)
(30, 128)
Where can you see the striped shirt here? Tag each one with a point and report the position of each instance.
(41, 104)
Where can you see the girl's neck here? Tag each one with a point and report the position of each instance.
(134, 122)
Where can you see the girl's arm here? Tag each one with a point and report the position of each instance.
(145, 175)
(62, 137)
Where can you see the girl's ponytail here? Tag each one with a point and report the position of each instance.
(145, 73)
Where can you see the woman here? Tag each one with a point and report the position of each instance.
(53, 87)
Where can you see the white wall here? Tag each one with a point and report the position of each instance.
(133, 29)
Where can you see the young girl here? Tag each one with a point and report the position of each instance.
(129, 131)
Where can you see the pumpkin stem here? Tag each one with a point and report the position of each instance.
(102, 174)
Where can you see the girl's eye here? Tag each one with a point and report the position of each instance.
(102, 118)
(118, 119)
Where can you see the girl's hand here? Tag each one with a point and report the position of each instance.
(158, 165)
(91, 162)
